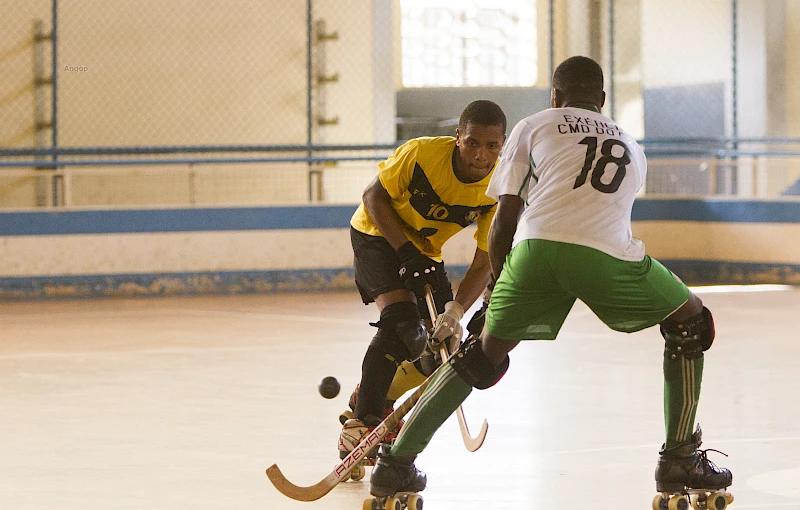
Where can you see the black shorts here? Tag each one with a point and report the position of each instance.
(377, 267)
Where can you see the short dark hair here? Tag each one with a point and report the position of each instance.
(578, 75)
(483, 113)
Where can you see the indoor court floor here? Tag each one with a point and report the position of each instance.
(183, 402)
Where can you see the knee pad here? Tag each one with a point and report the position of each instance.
(475, 368)
(401, 324)
(689, 338)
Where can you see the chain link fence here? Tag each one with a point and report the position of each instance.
(150, 103)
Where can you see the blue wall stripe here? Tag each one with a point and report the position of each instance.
(174, 220)
(693, 272)
(338, 216)
(186, 283)
(725, 211)
(713, 272)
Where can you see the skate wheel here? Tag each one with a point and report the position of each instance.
(346, 415)
(716, 501)
(358, 473)
(656, 502)
(698, 501)
(369, 504)
(414, 502)
(659, 503)
(678, 502)
(729, 497)
(392, 504)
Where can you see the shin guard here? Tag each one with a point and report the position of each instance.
(441, 398)
(683, 373)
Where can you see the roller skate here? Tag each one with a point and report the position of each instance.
(685, 477)
(348, 440)
(395, 483)
(347, 414)
(353, 432)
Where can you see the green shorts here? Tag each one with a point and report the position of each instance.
(541, 280)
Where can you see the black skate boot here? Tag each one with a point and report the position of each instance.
(687, 467)
(395, 474)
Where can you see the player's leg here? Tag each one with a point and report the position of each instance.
(683, 367)
(688, 333)
(407, 377)
(411, 374)
(470, 367)
(525, 304)
(400, 335)
(479, 363)
(631, 296)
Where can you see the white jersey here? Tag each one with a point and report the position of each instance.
(578, 173)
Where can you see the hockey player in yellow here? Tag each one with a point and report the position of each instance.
(427, 191)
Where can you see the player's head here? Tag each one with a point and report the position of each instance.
(578, 81)
(483, 112)
(480, 136)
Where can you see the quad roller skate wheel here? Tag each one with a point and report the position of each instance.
(717, 501)
(414, 502)
(346, 415)
(711, 501)
(670, 502)
(678, 502)
(400, 501)
(358, 473)
(393, 504)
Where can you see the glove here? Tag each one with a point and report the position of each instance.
(448, 327)
(416, 270)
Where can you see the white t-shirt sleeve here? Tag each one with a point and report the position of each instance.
(514, 173)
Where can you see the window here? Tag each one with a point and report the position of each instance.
(471, 44)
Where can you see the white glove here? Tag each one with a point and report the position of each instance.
(448, 326)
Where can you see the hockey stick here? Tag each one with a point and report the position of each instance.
(472, 443)
(342, 470)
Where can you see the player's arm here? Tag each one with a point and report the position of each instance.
(501, 233)
(471, 287)
(416, 269)
(379, 206)
(475, 280)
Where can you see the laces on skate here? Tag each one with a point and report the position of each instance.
(705, 460)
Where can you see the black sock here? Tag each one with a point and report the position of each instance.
(385, 353)
(377, 373)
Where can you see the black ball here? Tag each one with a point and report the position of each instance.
(329, 387)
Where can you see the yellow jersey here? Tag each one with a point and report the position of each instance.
(430, 200)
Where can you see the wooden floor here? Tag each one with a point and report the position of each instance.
(181, 403)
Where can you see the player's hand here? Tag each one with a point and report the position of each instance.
(416, 270)
(448, 326)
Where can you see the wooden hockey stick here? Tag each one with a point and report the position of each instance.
(343, 469)
(472, 443)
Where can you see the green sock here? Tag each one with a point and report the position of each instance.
(682, 378)
(439, 400)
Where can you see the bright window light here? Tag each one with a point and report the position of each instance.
(475, 43)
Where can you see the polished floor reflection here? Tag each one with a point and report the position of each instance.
(167, 403)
